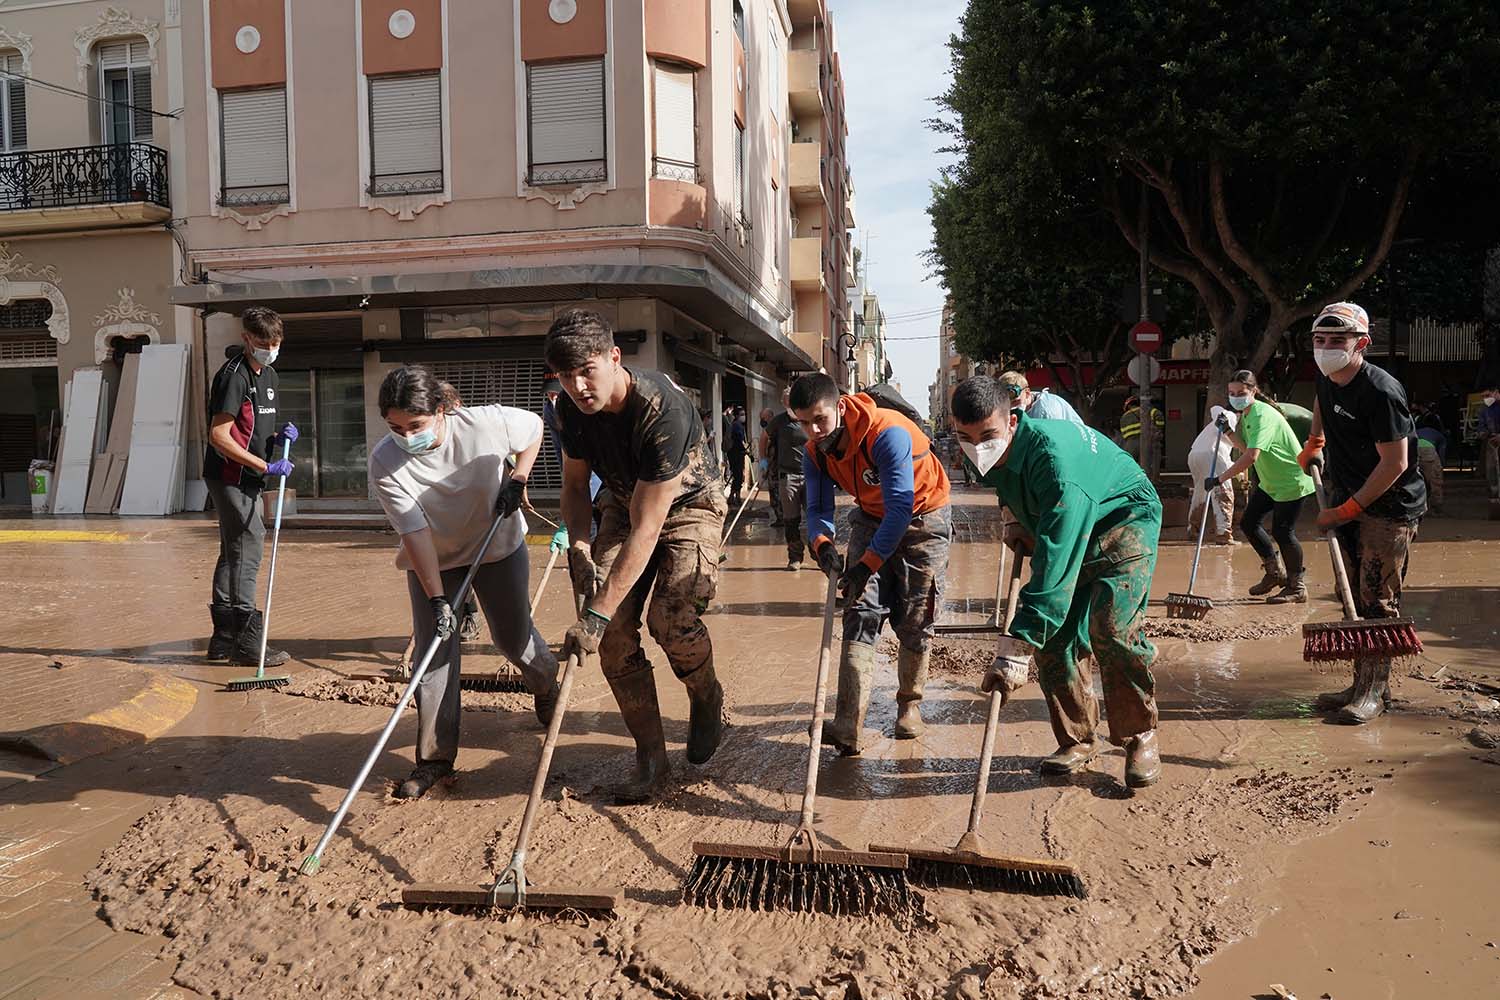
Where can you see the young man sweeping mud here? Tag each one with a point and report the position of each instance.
(1375, 493)
(662, 517)
(1089, 518)
(898, 542)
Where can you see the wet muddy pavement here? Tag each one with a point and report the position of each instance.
(1277, 849)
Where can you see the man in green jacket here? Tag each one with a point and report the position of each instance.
(1089, 518)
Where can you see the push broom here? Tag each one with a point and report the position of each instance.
(1354, 636)
(261, 678)
(313, 861)
(512, 890)
(971, 864)
(1190, 605)
(754, 492)
(803, 876)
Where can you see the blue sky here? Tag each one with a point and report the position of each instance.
(895, 61)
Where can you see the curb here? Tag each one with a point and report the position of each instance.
(163, 703)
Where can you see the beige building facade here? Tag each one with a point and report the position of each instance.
(88, 149)
(434, 181)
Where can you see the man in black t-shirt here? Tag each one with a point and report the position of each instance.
(788, 440)
(244, 452)
(662, 518)
(1375, 494)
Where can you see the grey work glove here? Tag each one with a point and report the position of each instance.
(583, 638)
(582, 572)
(442, 614)
(1011, 667)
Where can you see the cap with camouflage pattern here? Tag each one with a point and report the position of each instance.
(1342, 317)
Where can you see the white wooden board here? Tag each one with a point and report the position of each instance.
(153, 475)
(80, 426)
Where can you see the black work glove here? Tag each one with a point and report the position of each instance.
(852, 583)
(512, 496)
(442, 615)
(830, 559)
(1210, 484)
(1222, 423)
(583, 638)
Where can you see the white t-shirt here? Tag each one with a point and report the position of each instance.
(1203, 444)
(452, 488)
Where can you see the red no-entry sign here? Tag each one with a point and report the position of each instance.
(1146, 337)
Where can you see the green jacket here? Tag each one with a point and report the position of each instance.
(1062, 481)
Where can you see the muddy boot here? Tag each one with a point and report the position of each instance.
(1275, 577)
(705, 713)
(636, 694)
(426, 774)
(468, 627)
(1069, 759)
(247, 646)
(545, 704)
(856, 664)
(1295, 591)
(221, 643)
(1372, 683)
(1142, 760)
(911, 678)
(1332, 701)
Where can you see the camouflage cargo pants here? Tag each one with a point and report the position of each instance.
(908, 590)
(1107, 617)
(679, 581)
(1376, 552)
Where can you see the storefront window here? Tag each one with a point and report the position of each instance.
(328, 408)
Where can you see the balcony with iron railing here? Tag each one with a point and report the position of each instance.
(83, 187)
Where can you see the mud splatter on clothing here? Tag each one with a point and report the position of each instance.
(907, 590)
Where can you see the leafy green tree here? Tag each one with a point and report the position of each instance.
(1281, 148)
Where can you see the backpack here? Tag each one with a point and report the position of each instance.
(889, 399)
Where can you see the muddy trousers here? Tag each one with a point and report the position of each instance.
(501, 588)
(1376, 554)
(679, 582)
(242, 541)
(1431, 468)
(908, 589)
(1283, 528)
(1107, 616)
(793, 499)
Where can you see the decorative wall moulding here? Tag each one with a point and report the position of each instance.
(113, 22)
(21, 42)
(255, 223)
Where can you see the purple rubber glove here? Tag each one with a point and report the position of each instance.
(280, 467)
(287, 436)
(289, 432)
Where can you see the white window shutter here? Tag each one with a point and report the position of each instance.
(566, 110)
(406, 134)
(676, 148)
(739, 170)
(254, 141)
(114, 55)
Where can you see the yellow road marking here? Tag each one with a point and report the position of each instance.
(165, 702)
(43, 535)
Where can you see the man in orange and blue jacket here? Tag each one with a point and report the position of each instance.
(898, 542)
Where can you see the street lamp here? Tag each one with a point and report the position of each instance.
(848, 342)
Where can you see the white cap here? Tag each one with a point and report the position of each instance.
(1342, 317)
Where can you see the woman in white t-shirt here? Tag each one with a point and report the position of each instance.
(442, 475)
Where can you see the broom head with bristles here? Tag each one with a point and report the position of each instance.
(970, 865)
(466, 897)
(1188, 606)
(800, 880)
(1371, 637)
(469, 680)
(257, 683)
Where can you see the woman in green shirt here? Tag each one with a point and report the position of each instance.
(1268, 443)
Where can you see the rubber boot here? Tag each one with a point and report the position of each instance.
(636, 694)
(856, 664)
(1295, 591)
(1332, 701)
(1142, 760)
(911, 678)
(1372, 684)
(1275, 576)
(221, 643)
(1071, 758)
(426, 774)
(468, 625)
(705, 712)
(247, 645)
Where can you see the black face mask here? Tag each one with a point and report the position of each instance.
(830, 444)
(765, 423)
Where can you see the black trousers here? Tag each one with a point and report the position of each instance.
(1283, 528)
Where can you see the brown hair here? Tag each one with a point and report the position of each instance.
(576, 336)
(1247, 377)
(262, 324)
(417, 391)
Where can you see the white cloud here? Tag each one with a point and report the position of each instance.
(895, 59)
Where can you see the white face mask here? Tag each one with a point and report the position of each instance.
(987, 454)
(1331, 359)
(1490, 400)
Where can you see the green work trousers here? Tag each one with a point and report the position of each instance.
(1107, 617)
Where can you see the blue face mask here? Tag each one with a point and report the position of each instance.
(1241, 402)
(418, 443)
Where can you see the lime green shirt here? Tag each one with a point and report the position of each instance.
(1280, 475)
(1060, 480)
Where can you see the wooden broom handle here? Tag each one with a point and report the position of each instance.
(1340, 572)
(820, 695)
(997, 700)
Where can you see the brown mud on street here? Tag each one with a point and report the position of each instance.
(385, 694)
(1254, 785)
